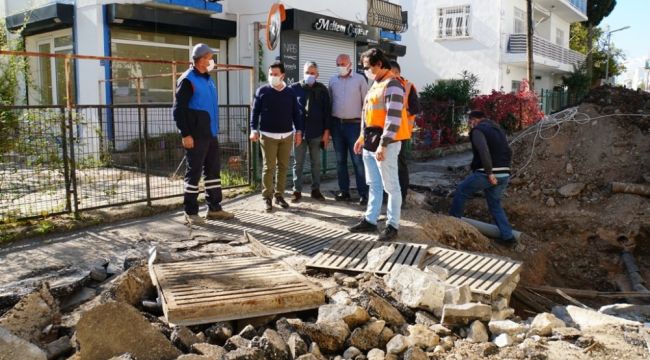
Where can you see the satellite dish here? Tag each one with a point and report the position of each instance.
(273, 25)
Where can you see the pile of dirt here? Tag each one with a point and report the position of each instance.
(561, 192)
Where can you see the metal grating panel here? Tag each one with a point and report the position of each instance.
(206, 291)
(485, 274)
(278, 233)
(350, 254)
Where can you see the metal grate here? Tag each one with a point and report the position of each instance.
(350, 254)
(485, 274)
(278, 233)
(206, 291)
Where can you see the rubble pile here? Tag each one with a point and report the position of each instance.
(407, 314)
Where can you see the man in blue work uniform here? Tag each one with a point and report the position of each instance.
(196, 113)
(490, 172)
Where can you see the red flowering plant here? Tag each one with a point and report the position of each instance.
(514, 111)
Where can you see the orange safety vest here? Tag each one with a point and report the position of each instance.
(375, 109)
(410, 119)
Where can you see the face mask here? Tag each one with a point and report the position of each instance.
(275, 80)
(369, 74)
(343, 70)
(211, 65)
(310, 79)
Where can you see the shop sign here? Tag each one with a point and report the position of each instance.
(329, 25)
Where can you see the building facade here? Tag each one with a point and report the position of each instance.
(488, 39)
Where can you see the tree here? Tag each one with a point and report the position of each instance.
(580, 43)
(597, 10)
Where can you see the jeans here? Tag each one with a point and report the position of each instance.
(300, 153)
(344, 135)
(403, 171)
(382, 176)
(202, 159)
(479, 182)
(275, 153)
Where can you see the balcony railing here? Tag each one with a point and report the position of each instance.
(543, 47)
(581, 5)
(386, 15)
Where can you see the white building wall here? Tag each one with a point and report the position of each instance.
(429, 59)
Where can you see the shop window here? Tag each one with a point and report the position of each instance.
(48, 83)
(454, 22)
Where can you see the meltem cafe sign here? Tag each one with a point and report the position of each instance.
(351, 30)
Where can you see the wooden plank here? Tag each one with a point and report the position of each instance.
(358, 257)
(465, 276)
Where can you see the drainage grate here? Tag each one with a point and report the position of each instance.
(278, 233)
(485, 274)
(350, 253)
(205, 291)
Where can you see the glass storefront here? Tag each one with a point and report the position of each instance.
(47, 82)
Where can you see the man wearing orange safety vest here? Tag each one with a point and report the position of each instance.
(380, 141)
(410, 110)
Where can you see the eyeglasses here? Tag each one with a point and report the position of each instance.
(366, 68)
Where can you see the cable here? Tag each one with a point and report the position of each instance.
(557, 120)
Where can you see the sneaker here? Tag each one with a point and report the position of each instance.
(363, 226)
(269, 204)
(316, 194)
(194, 219)
(363, 201)
(280, 201)
(388, 234)
(342, 196)
(219, 215)
(296, 196)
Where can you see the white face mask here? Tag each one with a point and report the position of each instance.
(369, 74)
(343, 70)
(275, 80)
(310, 79)
(211, 65)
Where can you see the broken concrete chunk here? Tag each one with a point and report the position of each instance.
(463, 314)
(544, 323)
(416, 288)
(219, 332)
(503, 314)
(382, 309)
(458, 294)
(385, 336)
(632, 312)
(58, 347)
(509, 327)
(193, 357)
(236, 342)
(378, 256)
(274, 346)
(477, 332)
(398, 344)
(314, 349)
(439, 271)
(123, 330)
(367, 336)
(297, 345)
(98, 273)
(422, 336)
(376, 354)
(31, 314)
(503, 340)
(13, 347)
(500, 304)
(132, 286)
(329, 336)
(248, 332)
(341, 298)
(353, 315)
(586, 318)
(212, 351)
(425, 318)
(351, 353)
(440, 330)
(245, 354)
(183, 338)
(415, 353)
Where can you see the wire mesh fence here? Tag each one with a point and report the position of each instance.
(97, 156)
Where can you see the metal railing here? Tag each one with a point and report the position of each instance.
(386, 15)
(543, 47)
(95, 156)
(552, 101)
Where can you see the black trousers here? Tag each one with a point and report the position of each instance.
(403, 171)
(203, 159)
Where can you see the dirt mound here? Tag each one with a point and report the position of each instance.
(617, 100)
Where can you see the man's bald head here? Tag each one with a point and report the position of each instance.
(343, 60)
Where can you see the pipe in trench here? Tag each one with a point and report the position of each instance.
(489, 230)
(639, 189)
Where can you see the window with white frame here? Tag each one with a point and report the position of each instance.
(519, 26)
(454, 22)
(514, 87)
(559, 37)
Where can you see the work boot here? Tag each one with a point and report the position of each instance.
(194, 219)
(268, 204)
(388, 234)
(280, 201)
(219, 215)
(363, 226)
(297, 195)
(342, 196)
(315, 194)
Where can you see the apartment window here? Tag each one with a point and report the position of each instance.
(138, 44)
(559, 37)
(453, 22)
(515, 86)
(519, 25)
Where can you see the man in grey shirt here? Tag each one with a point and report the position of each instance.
(348, 91)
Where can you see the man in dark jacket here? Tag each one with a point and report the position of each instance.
(490, 172)
(196, 113)
(314, 101)
(277, 123)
